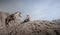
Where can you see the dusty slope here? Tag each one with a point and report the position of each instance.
(3, 15)
(38, 27)
(57, 21)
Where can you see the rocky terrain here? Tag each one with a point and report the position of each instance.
(37, 27)
(57, 21)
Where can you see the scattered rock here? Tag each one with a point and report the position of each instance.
(38, 27)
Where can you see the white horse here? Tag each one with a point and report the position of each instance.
(12, 17)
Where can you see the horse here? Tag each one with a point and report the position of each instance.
(12, 17)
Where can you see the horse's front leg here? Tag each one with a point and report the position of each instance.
(14, 21)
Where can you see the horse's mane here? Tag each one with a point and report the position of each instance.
(16, 14)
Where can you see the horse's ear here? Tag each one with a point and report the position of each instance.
(18, 12)
(15, 12)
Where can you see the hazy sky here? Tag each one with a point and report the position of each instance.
(37, 9)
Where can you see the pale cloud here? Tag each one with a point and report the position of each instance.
(38, 9)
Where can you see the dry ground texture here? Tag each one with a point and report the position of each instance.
(37, 27)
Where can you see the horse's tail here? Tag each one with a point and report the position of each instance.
(6, 22)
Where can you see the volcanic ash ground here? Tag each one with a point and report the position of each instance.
(37, 27)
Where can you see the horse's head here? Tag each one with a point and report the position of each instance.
(18, 14)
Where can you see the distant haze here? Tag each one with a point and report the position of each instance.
(37, 9)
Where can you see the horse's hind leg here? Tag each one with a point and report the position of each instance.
(6, 23)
